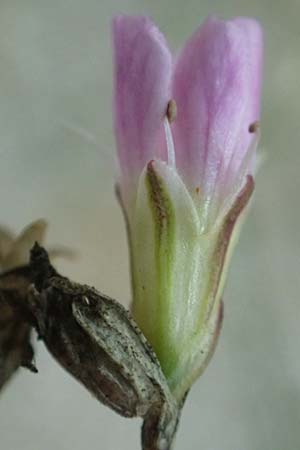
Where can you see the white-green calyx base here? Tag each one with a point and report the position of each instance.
(178, 272)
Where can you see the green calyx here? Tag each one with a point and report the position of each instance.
(178, 273)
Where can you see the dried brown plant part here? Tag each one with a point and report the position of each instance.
(19, 252)
(15, 319)
(15, 324)
(96, 340)
(15, 349)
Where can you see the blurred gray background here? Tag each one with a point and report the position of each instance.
(58, 161)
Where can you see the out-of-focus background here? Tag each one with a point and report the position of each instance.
(57, 155)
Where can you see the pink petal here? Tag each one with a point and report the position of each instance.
(143, 67)
(216, 86)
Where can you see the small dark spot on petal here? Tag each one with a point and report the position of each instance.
(253, 127)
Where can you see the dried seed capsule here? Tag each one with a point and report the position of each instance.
(95, 339)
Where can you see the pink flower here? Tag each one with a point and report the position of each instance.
(215, 82)
(180, 180)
